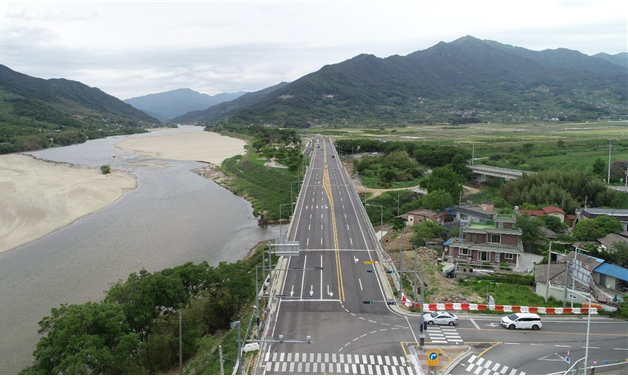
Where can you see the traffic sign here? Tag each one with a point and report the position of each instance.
(432, 358)
(368, 262)
(567, 359)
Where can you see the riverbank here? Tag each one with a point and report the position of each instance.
(39, 197)
(192, 146)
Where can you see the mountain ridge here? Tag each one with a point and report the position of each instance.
(169, 104)
(466, 80)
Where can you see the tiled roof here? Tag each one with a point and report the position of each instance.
(533, 213)
(552, 209)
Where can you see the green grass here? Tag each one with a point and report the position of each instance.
(375, 183)
(266, 187)
(510, 294)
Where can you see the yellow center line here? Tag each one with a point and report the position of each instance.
(327, 186)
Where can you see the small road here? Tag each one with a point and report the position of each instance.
(539, 352)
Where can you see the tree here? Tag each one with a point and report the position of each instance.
(531, 229)
(91, 338)
(438, 199)
(560, 143)
(554, 224)
(619, 252)
(105, 169)
(599, 166)
(608, 224)
(387, 175)
(445, 179)
(398, 223)
(427, 230)
(587, 230)
(459, 165)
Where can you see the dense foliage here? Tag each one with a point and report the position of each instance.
(37, 113)
(134, 330)
(553, 186)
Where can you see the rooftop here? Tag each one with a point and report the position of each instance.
(606, 211)
(612, 270)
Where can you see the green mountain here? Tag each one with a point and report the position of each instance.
(37, 113)
(619, 58)
(467, 80)
(170, 104)
(228, 108)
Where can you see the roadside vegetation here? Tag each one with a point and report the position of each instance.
(135, 329)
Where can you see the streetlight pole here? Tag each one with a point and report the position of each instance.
(586, 346)
(280, 234)
(291, 197)
(610, 146)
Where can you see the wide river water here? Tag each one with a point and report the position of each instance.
(173, 217)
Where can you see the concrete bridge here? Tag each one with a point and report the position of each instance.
(483, 172)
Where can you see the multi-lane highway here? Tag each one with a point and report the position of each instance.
(323, 293)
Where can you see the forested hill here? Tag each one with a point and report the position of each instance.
(467, 80)
(37, 113)
(170, 104)
(226, 109)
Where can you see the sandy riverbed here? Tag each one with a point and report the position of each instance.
(38, 197)
(193, 146)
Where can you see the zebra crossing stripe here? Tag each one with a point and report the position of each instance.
(284, 366)
(346, 368)
(394, 370)
(354, 369)
(513, 372)
(394, 360)
(379, 360)
(385, 370)
(277, 366)
(488, 364)
(504, 369)
(496, 366)
(315, 368)
(299, 367)
(281, 356)
(307, 366)
(477, 370)
(472, 358)
(378, 370)
(296, 357)
(269, 366)
(267, 358)
(470, 367)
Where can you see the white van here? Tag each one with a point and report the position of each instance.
(522, 321)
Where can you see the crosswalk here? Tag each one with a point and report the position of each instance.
(330, 363)
(481, 366)
(443, 334)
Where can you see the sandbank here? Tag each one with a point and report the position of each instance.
(38, 197)
(194, 146)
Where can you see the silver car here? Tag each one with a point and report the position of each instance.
(441, 318)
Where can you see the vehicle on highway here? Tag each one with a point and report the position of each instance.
(333, 156)
(522, 321)
(441, 318)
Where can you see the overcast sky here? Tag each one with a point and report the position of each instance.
(140, 48)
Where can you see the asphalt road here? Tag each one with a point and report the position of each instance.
(324, 290)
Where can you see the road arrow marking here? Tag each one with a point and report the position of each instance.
(292, 291)
(329, 293)
(312, 290)
(492, 325)
(356, 259)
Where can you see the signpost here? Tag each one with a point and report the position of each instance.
(432, 361)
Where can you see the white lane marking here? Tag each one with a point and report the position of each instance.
(303, 281)
(511, 343)
(321, 226)
(309, 227)
(360, 280)
(307, 241)
(374, 322)
(363, 335)
(322, 279)
(474, 324)
(562, 345)
(619, 348)
(343, 206)
(351, 240)
(321, 240)
(362, 318)
(321, 215)
(310, 216)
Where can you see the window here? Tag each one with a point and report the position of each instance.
(473, 237)
(463, 216)
(463, 251)
(495, 238)
(508, 256)
(484, 255)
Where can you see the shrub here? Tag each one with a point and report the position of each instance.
(105, 169)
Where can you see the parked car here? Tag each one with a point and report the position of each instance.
(522, 321)
(441, 318)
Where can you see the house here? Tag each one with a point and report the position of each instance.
(546, 211)
(610, 239)
(475, 212)
(591, 275)
(494, 241)
(418, 216)
(591, 213)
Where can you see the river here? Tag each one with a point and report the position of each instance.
(173, 217)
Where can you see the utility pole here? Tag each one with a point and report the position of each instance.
(573, 277)
(473, 154)
(566, 284)
(610, 146)
(222, 363)
(586, 346)
(398, 194)
(257, 299)
(549, 259)
(239, 351)
(460, 201)
(180, 343)
(416, 254)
